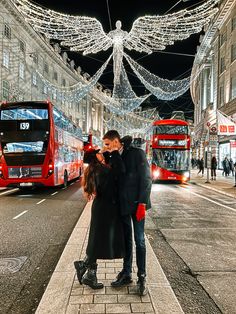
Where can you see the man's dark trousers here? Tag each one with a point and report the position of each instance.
(139, 242)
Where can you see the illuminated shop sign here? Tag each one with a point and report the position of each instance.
(172, 142)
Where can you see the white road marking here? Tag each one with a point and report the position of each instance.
(9, 191)
(25, 211)
(54, 193)
(208, 199)
(41, 201)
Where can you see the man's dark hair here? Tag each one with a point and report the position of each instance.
(111, 135)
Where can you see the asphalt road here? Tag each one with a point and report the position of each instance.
(195, 242)
(193, 236)
(35, 226)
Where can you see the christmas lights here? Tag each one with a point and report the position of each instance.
(162, 88)
(148, 33)
(76, 92)
(136, 123)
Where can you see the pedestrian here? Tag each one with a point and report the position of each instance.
(226, 166)
(231, 166)
(134, 191)
(106, 237)
(213, 168)
(201, 166)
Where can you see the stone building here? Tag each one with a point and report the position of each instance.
(29, 61)
(213, 83)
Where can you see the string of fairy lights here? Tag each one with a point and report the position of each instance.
(148, 34)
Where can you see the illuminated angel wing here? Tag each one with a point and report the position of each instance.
(152, 33)
(80, 33)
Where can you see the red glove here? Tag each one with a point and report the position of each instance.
(141, 210)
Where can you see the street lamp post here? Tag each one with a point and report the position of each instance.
(208, 154)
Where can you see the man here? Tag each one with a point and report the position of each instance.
(134, 192)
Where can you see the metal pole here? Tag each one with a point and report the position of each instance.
(208, 151)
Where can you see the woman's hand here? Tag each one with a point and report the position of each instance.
(89, 197)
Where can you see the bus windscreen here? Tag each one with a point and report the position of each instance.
(171, 159)
(170, 129)
(24, 114)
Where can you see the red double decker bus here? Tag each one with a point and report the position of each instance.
(39, 145)
(170, 151)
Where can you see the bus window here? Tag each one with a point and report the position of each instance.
(170, 129)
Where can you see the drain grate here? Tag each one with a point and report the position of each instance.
(10, 265)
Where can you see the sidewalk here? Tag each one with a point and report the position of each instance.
(64, 294)
(222, 184)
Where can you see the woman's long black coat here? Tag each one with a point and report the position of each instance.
(106, 239)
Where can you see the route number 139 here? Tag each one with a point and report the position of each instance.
(24, 126)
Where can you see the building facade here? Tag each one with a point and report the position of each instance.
(29, 62)
(213, 84)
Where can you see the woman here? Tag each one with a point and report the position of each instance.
(106, 239)
(213, 168)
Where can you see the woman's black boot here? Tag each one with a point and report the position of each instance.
(81, 267)
(90, 277)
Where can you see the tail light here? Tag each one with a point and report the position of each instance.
(1, 172)
(50, 167)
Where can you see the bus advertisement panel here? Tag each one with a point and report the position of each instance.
(170, 151)
(39, 145)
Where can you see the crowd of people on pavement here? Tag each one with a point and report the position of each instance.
(228, 166)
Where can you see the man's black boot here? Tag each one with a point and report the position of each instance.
(141, 285)
(121, 280)
(90, 278)
(81, 267)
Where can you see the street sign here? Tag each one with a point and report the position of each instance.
(208, 124)
(213, 130)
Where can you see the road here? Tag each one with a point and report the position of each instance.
(35, 226)
(193, 236)
(195, 242)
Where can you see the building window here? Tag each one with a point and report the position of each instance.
(221, 95)
(5, 90)
(46, 68)
(7, 31)
(54, 94)
(22, 70)
(34, 79)
(233, 88)
(34, 56)
(63, 82)
(45, 89)
(233, 52)
(6, 58)
(233, 23)
(223, 38)
(55, 76)
(22, 46)
(222, 64)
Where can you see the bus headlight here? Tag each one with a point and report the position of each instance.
(186, 174)
(156, 174)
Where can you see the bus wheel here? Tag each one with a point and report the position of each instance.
(65, 179)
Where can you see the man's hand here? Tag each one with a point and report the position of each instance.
(141, 211)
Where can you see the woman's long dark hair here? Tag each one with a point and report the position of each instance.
(88, 182)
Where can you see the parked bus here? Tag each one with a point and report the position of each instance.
(39, 145)
(170, 151)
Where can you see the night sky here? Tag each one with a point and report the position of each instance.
(168, 64)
